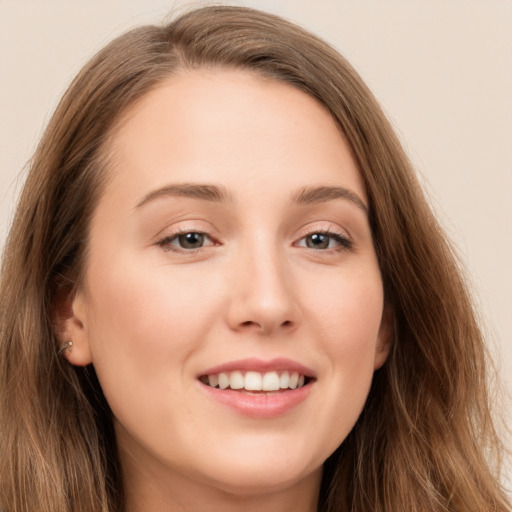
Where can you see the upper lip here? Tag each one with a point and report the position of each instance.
(261, 366)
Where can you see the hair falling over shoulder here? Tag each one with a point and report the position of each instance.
(425, 440)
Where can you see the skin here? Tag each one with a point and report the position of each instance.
(152, 316)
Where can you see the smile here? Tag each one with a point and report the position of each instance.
(255, 381)
(257, 388)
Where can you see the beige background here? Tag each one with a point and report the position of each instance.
(441, 68)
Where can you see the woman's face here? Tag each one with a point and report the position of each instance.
(231, 247)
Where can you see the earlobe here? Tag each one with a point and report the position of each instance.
(71, 328)
(384, 338)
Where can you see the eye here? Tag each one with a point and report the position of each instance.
(186, 241)
(325, 240)
(191, 240)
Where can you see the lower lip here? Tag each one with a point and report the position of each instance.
(259, 405)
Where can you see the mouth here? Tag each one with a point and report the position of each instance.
(256, 382)
(259, 389)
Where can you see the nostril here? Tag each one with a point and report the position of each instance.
(252, 324)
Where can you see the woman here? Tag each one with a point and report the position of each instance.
(224, 288)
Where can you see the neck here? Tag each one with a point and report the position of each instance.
(172, 498)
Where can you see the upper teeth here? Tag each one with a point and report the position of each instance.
(255, 381)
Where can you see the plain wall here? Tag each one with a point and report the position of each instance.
(442, 69)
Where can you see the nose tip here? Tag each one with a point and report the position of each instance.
(263, 299)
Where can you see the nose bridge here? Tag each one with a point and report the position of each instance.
(262, 298)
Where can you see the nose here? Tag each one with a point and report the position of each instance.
(263, 297)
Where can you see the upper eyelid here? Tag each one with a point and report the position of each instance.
(205, 228)
(177, 233)
(340, 238)
(166, 240)
(323, 227)
(165, 243)
(186, 226)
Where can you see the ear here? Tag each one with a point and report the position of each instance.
(71, 325)
(384, 338)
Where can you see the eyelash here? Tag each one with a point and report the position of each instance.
(166, 243)
(344, 242)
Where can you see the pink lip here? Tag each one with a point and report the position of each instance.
(260, 405)
(259, 365)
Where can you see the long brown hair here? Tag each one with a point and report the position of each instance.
(425, 440)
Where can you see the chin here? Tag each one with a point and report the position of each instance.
(252, 473)
(247, 480)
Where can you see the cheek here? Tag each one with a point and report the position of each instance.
(347, 322)
(348, 311)
(145, 320)
(138, 297)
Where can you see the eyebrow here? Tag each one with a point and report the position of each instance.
(313, 195)
(204, 192)
(217, 193)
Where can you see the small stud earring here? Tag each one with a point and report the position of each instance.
(66, 346)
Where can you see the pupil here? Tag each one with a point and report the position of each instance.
(191, 240)
(318, 241)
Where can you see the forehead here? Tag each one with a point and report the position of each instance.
(229, 126)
